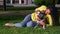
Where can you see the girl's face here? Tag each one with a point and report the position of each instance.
(47, 11)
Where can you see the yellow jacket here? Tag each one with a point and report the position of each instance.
(33, 17)
(49, 19)
(48, 16)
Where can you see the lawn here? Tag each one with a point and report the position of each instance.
(26, 30)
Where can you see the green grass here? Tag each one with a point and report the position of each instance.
(26, 30)
(11, 17)
(14, 30)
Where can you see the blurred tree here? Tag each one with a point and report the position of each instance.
(4, 4)
(55, 13)
(43, 2)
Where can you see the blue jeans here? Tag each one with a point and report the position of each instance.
(26, 22)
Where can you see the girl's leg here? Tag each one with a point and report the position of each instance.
(23, 23)
(31, 24)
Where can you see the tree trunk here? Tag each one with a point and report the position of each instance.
(55, 14)
(4, 4)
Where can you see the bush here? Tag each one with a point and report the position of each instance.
(46, 2)
(38, 2)
(18, 8)
(21, 8)
(56, 1)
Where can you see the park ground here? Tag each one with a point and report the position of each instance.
(25, 30)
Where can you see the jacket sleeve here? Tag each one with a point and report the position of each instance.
(49, 18)
(33, 17)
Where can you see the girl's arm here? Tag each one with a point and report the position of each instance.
(49, 18)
